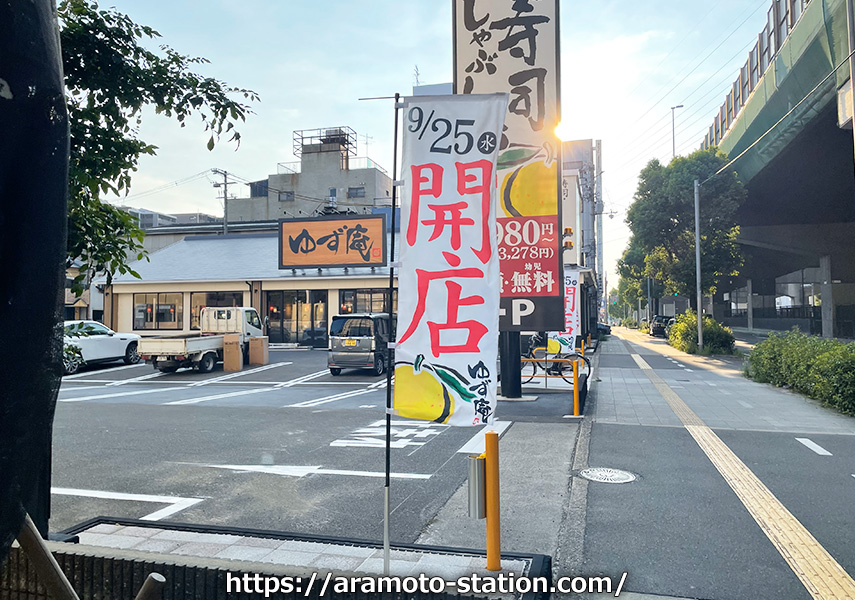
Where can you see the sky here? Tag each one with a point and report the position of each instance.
(623, 66)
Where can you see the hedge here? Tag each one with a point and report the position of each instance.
(822, 369)
(683, 335)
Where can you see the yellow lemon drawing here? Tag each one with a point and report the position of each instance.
(421, 396)
(531, 190)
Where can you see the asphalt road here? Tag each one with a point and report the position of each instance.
(680, 530)
(286, 446)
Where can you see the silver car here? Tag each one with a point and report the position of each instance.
(360, 341)
(91, 342)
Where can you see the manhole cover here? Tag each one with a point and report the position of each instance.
(607, 475)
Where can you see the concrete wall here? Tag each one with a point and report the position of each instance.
(319, 171)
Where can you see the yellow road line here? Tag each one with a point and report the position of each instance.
(822, 576)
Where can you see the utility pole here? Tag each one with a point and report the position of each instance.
(700, 302)
(598, 218)
(225, 185)
(649, 304)
(673, 134)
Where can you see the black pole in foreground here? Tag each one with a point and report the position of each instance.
(33, 217)
(390, 362)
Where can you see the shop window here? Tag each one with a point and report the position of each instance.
(366, 301)
(356, 192)
(158, 311)
(286, 196)
(199, 300)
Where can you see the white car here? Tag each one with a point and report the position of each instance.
(98, 344)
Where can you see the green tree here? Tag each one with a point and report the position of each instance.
(110, 77)
(662, 221)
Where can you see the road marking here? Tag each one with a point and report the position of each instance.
(80, 389)
(711, 384)
(302, 379)
(689, 370)
(215, 397)
(176, 503)
(822, 576)
(814, 446)
(327, 399)
(302, 471)
(403, 434)
(135, 379)
(79, 375)
(476, 444)
(239, 374)
(122, 394)
(742, 402)
(729, 394)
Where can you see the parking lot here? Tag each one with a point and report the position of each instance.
(285, 446)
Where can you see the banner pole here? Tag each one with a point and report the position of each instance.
(390, 362)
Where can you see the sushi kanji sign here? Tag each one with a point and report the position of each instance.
(448, 308)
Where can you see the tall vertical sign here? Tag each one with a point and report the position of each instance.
(448, 282)
(512, 46)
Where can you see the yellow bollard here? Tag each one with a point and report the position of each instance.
(575, 388)
(491, 476)
(583, 347)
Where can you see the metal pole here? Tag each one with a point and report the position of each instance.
(575, 388)
(390, 364)
(700, 302)
(648, 302)
(494, 529)
(850, 24)
(225, 203)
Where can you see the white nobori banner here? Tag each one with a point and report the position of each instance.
(448, 283)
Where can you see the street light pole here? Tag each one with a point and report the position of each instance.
(698, 264)
(673, 134)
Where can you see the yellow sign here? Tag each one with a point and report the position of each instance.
(333, 241)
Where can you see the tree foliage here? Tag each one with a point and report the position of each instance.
(110, 78)
(662, 221)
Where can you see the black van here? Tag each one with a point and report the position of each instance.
(360, 341)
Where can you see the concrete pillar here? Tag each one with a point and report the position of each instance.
(750, 305)
(825, 289)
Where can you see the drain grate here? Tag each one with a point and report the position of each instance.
(607, 475)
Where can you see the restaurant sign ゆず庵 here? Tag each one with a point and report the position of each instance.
(333, 241)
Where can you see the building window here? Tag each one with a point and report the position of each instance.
(199, 300)
(356, 192)
(158, 311)
(258, 189)
(366, 301)
(286, 196)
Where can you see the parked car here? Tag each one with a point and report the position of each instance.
(669, 325)
(97, 343)
(657, 326)
(360, 341)
(603, 328)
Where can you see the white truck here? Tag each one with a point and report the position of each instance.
(202, 350)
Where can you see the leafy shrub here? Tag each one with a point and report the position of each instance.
(819, 368)
(833, 377)
(683, 335)
(630, 323)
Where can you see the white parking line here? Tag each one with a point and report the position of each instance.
(239, 374)
(176, 503)
(216, 397)
(135, 379)
(742, 402)
(302, 471)
(327, 399)
(308, 377)
(78, 375)
(689, 370)
(122, 394)
(814, 446)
